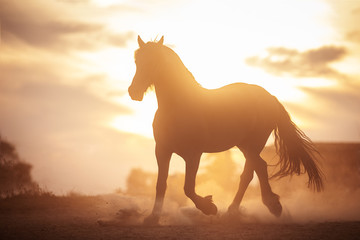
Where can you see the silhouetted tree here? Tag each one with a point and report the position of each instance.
(15, 175)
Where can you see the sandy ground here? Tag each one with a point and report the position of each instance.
(77, 229)
(115, 217)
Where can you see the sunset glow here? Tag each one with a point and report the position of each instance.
(66, 65)
(226, 63)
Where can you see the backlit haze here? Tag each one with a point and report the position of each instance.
(65, 67)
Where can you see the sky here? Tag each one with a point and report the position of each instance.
(65, 66)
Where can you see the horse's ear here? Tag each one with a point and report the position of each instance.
(161, 41)
(141, 42)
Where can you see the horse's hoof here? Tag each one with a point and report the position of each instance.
(206, 205)
(151, 220)
(233, 210)
(273, 204)
(233, 215)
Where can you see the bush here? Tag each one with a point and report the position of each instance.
(15, 177)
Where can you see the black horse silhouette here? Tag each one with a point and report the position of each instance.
(191, 120)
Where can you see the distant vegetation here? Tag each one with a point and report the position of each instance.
(15, 176)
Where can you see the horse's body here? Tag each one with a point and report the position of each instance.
(191, 120)
(215, 120)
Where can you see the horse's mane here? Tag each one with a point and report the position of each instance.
(178, 70)
(175, 69)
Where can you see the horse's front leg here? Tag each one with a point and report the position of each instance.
(163, 159)
(205, 204)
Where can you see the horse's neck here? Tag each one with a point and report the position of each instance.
(181, 93)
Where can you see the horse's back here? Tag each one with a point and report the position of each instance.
(241, 93)
(241, 100)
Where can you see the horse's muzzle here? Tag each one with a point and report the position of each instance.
(135, 95)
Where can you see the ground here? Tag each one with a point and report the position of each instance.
(119, 217)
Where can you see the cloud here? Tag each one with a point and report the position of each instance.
(54, 108)
(342, 104)
(310, 63)
(356, 11)
(345, 19)
(40, 95)
(34, 26)
(353, 36)
(333, 114)
(336, 98)
(349, 28)
(120, 40)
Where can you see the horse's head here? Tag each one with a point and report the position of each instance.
(146, 60)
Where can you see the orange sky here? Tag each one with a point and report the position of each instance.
(65, 66)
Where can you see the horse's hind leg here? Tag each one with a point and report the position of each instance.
(270, 199)
(205, 204)
(163, 160)
(245, 179)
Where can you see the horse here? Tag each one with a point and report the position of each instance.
(191, 120)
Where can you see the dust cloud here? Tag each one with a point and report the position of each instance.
(219, 177)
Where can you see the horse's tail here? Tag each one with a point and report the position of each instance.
(295, 149)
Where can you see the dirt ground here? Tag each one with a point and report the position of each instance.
(76, 229)
(114, 217)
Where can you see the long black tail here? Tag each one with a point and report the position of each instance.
(295, 150)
